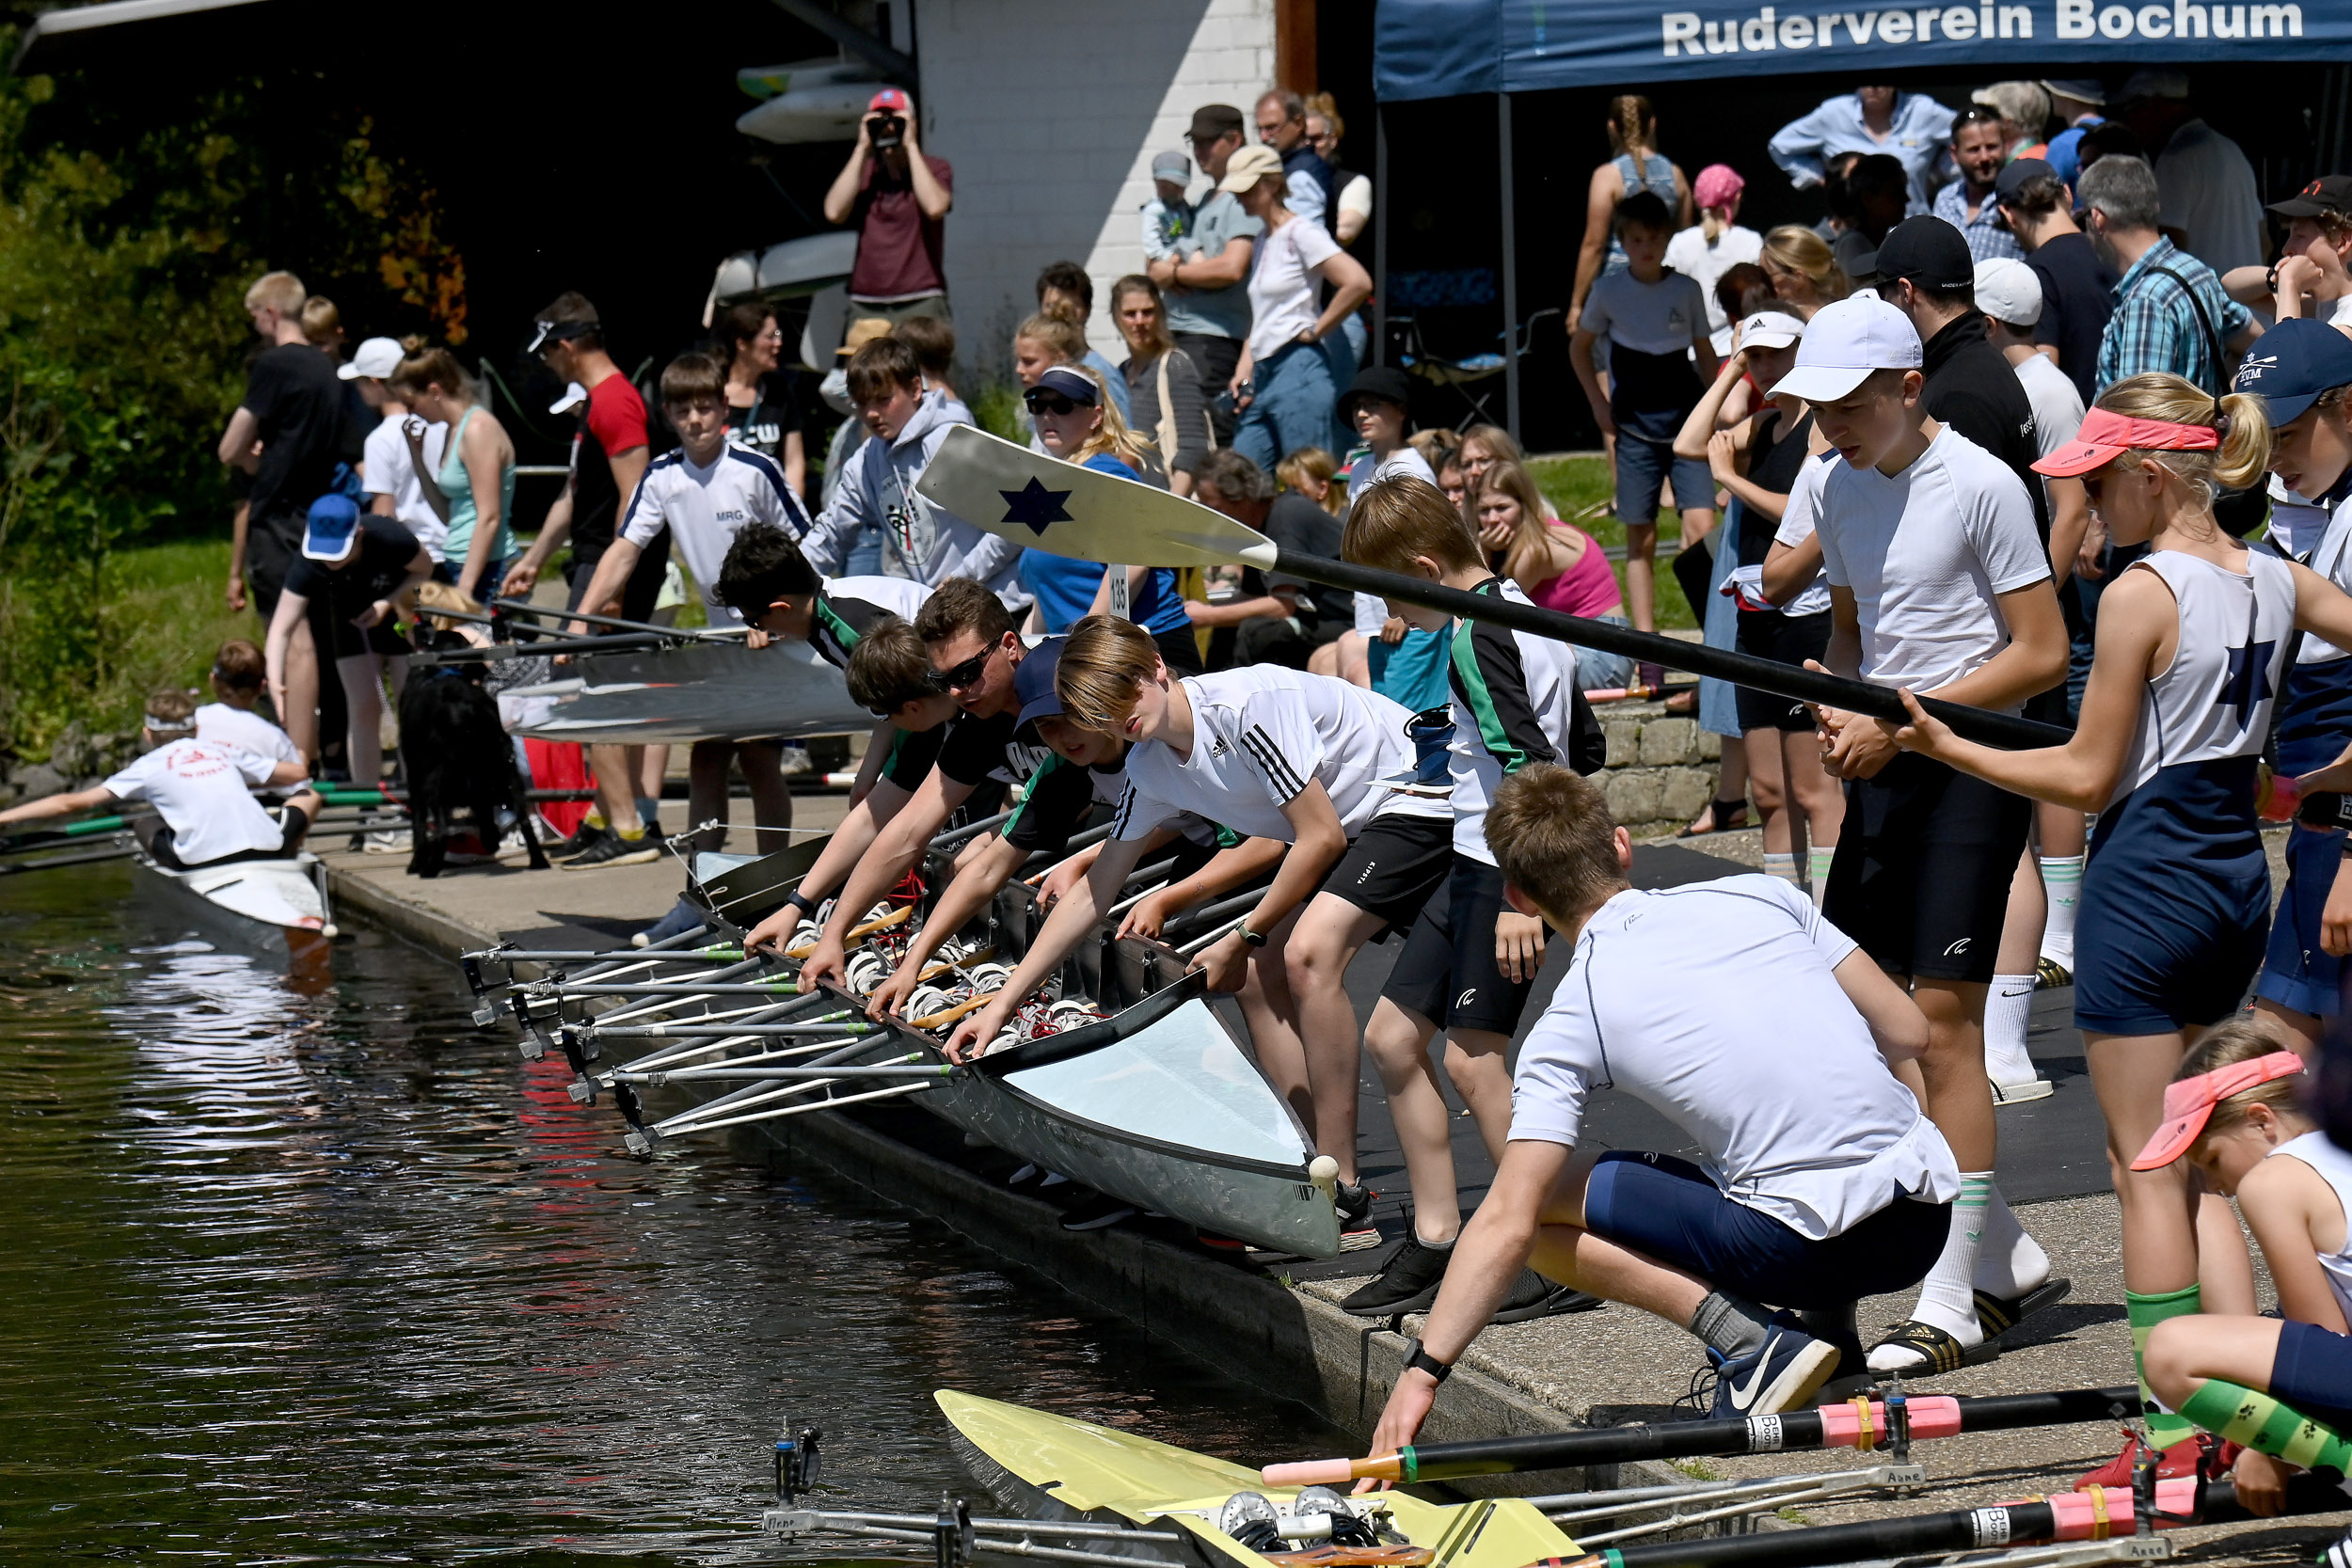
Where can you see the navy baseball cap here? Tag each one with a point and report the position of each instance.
(1077, 386)
(1033, 677)
(335, 518)
(2291, 364)
(2013, 177)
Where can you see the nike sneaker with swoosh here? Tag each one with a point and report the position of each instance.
(1780, 1374)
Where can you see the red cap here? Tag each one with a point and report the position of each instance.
(889, 97)
(2106, 436)
(2188, 1104)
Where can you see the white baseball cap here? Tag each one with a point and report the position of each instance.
(1771, 329)
(377, 358)
(1844, 343)
(2007, 291)
(574, 396)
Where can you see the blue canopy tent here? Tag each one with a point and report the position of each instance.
(1431, 48)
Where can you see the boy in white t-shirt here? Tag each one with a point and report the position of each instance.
(703, 495)
(388, 471)
(201, 791)
(1937, 582)
(1819, 1181)
(239, 673)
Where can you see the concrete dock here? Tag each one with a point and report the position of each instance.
(1281, 1328)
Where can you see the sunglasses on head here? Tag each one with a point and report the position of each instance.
(1044, 400)
(964, 674)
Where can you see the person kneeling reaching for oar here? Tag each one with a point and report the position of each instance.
(1823, 1180)
(201, 790)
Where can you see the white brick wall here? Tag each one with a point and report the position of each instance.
(1051, 114)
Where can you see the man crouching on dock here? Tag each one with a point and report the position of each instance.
(201, 790)
(1823, 1183)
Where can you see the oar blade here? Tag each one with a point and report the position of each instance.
(1081, 513)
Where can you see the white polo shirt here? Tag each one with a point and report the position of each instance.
(202, 789)
(704, 508)
(1762, 1061)
(1259, 736)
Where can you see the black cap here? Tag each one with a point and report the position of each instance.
(1384, 382)
(2014, 178)
(1928, 251)
(1213, 120)
(2329, 193)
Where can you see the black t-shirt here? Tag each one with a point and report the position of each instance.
(998, 747)
(1061, 794)
(1975, 391)
(297, 400)
(2077, 300)
(774, 415)
(1295, 523)
(912, 754)
(387, 550)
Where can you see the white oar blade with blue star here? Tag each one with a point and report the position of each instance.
(1081, 513)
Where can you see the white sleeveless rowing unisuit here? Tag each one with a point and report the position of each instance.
(2213, 701)
(2335, 1168)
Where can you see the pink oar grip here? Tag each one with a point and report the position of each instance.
(1311, 1472)
(1931, 1415)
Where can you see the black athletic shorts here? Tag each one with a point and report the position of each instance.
(638, 595)
(272, 545)
(1784, 639)
(1447, 973)
(1394, 866)
(1923, 867)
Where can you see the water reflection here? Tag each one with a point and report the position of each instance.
(324, 1273)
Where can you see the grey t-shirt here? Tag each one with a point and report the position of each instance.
(1218, 312)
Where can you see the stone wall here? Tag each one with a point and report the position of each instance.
(1661, 770)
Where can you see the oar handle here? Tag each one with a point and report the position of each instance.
(1759, 674)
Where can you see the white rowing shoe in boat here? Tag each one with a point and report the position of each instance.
(255, 902)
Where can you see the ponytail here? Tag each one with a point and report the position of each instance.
(2241, 419)
(1631, 123)
(1711, 221)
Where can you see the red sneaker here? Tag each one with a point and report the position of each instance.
(2181, 1459)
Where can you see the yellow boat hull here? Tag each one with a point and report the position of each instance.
(1087, 1469)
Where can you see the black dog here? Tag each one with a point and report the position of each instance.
(456, 758)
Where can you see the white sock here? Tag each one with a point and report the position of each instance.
(1944, 1299)
(2063, 877)
(2006, 1007)
(2010, 1262)
(1818, 860)
(1783, 866)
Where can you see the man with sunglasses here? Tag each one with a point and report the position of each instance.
(1204, 282)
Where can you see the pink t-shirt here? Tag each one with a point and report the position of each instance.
(1588, 588)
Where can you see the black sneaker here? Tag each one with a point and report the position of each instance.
(584, 838)
(1408, 1282)
(1354, 1201)
(1534, 1297)
(1098, 1213)
(613, 849)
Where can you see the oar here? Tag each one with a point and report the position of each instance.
(51, 838)
(1087, 515)
(540, 612)
(48, 863)
(1854, 1424)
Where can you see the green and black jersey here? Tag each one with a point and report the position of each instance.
(849, 608)
(1516, 701)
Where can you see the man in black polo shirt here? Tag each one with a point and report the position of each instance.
(2077, 287)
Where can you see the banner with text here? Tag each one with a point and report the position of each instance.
(1441, 48)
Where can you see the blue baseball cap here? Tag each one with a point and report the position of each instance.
(2291, 364)
(333, 520)
(1078, 386)
(1033, 679)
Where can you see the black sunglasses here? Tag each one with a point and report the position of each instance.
(964, 674)
(1044, 400)
(2090, 483)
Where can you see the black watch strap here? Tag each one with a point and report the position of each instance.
(1421, 1361)
(800, 901)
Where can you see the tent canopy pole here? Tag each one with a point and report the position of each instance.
(1510, 267)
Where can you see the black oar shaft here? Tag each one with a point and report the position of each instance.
(1759, 674)
(1959, 1531)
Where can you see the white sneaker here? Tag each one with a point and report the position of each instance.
(390, 841)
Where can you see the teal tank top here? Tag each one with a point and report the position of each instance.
(457, 486)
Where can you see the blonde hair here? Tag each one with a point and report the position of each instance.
(1793, 247)
(1063, 336)
(2241, 460)
(1130, 447)
(2227, 1043)
(321, 324)
(1632, 124)
(433, 595)
(1401, 518)
(1437, 447)
(281, 291)
(1327, 108)
(1102, 670)
(1501, 447)
(1531, 537)
(1319, 464)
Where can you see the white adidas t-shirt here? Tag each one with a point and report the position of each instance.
(705, 507)
(1259, 736)
(1925, 552)
(202, 789)
(241, 727)
(1806, 1125)
(390, 472)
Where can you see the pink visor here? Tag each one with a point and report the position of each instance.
(2106, 436)
(2188, 1104)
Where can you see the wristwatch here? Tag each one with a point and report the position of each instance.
(1255, 938)
(1420, 1360)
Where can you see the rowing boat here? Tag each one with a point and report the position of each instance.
(701, 690)
(270, 905)
(1053, 1467)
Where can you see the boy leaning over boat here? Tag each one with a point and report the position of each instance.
(1822, 1182)
(201, 791)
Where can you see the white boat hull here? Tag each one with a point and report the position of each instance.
(270, 903)
(700, 692)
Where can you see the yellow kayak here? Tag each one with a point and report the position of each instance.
(1062, 1469)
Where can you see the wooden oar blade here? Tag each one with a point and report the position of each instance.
(1070, 511)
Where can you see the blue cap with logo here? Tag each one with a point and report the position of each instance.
(1033, 679)
(2291, 364)
(333, 520)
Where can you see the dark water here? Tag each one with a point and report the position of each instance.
(335, 1277)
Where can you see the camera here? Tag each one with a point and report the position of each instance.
(888, 130)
